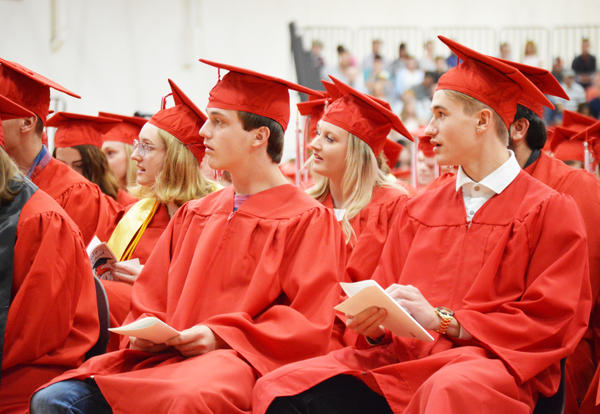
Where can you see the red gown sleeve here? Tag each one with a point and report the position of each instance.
(93, 211)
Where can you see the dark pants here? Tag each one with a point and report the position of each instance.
(340, 394)
(70, 397)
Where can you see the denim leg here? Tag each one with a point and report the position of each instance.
(70, 397)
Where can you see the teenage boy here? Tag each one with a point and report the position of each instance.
(94, 212)
(248, 275)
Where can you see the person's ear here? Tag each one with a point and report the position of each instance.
(484, 120)
(261, 136)
(518, 130)
(26, 125)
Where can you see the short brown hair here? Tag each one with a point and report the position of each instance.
(472, 105)
(252, 121)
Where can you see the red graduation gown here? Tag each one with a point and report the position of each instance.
(119, 293)
(52, 320)
(517, 278)
(124, 198)
(93, 211)
(585, 190)
(264, 279)
(371, 227)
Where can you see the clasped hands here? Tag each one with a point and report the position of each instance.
(197, 340)
(368, 322)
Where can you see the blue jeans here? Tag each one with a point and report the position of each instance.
(70, 397)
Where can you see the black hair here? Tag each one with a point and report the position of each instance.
(536, 134)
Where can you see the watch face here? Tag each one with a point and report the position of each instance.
(448, 313)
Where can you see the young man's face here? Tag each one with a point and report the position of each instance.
(227, 143)
(452, 131)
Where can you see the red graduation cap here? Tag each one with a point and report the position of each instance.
(392, 151)
(126, 131)
(77, 129)
(28, 88)
(10, 110)
(577, 121)
(562, 146)
(183, 120)
(545, 82)
(245, 90)
(362, 116)
(313, 108)
(496, 84)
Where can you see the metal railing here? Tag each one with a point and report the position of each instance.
(563, 41)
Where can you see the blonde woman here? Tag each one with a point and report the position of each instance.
(350, 137)
(168, 153)
(117, 145)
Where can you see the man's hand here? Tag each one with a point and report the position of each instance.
(197, 340)
(411, 299)
(140, 344)
(368, 322)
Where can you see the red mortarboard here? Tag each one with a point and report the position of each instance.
(245, 90)
(313, 108)
(496, 84)
(562, 146)
(10, 110)
(27, 88)
(183, 121)
(127, 130)
(362, 116)
(545, 82)
(577, 121)
(76, 129)
(392, 151)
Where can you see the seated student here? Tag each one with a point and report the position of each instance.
(94, 212)
(248, 275)
(117, 145)
(346, 153)
(168, 153)
(501, 255)
(78, 144)
(48, 315)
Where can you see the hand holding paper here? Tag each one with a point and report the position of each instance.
(151, 329)
(368, 293)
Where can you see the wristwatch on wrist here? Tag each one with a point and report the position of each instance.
(446, 315)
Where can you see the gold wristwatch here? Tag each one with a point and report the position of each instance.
(446, 315)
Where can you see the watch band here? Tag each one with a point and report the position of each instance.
(446, 315)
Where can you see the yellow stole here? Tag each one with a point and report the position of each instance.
(130, 228)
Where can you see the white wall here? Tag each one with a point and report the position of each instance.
(118, 54)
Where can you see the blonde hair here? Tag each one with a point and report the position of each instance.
(131, 173)
(180, 179)
(472, 105)
(8, 172)
(361, 175)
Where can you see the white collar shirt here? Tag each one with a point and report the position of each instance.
(476, 194)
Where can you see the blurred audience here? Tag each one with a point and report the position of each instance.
(584, 65)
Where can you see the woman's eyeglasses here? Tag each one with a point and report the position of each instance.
(141, 147)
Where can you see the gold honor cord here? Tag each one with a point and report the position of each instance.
(131, 227)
